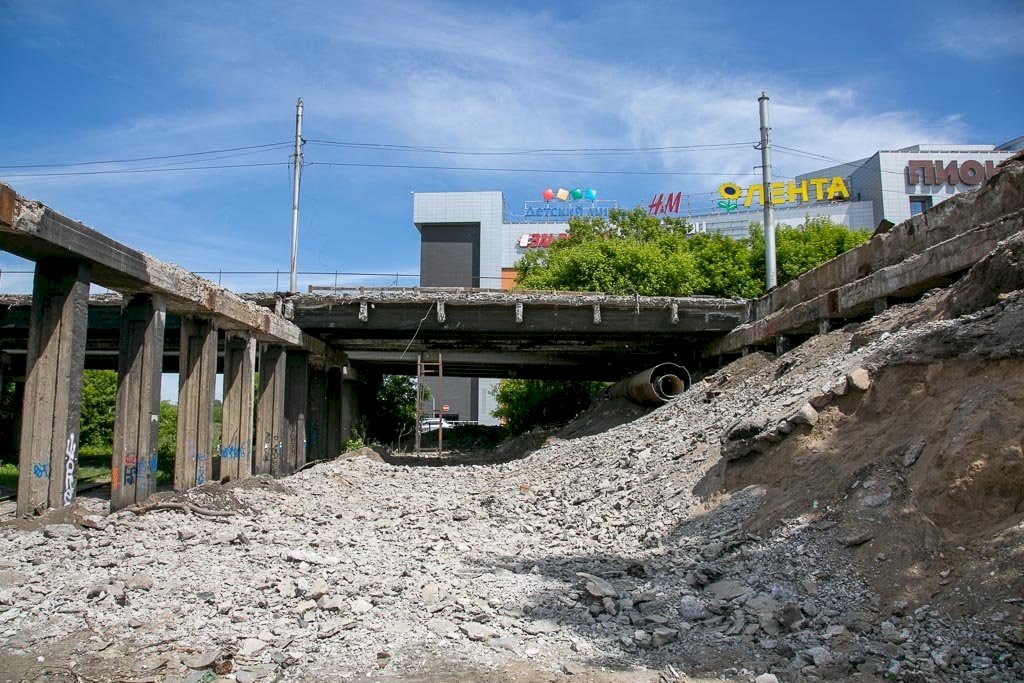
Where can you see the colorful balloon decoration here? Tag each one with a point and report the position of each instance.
(576, 194)
(548, 194)
(562, 194)
(590, 194)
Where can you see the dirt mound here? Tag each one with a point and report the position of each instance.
(922, 475)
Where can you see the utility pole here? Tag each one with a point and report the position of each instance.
(297, 173)
(766, 192)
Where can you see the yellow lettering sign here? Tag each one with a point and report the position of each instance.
(787, 192)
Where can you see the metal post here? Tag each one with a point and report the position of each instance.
(296, 173)
(771, 280)
(419, 400)
(440, 421)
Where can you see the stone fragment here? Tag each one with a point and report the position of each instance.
(806, 415)
(822, 400)
(96, 522)
(692, 609)
(598, 587)
(504, 643)
(201, 660)
(317, 589)
(61, 531)
(744, 428)
(442, 627)
(912, 453)
(332, 603)
(855, 538)
(767, 678)
(541, 626)
(663, 636)
(361, 606)
(432, 594)
(727, 590)
(477, 631)
(304, 606)
(143, 582)
(859, 379)
(251, 646)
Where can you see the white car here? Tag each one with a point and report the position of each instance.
(433, 423)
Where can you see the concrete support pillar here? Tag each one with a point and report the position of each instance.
(316, 414)
(137, 416)
(239, 393)
(51, 413)
(269, 457)
(349, 411)
(296, 395)
(333, 410)
(197, 375)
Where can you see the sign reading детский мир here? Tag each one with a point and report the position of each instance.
(733, 196)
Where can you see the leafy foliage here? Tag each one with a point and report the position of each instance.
(167, 441)
(799, 249)
(629, 253)
(99, 401)
(634, 252)
(524, 404)
(393, 413)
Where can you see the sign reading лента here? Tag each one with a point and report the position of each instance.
(787, 192)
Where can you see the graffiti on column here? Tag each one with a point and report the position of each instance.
(70, 463)
(131, 469)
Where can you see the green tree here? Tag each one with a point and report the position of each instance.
(99, 402)
(523, 403)
(167, 441)
(801, 248)
(393, 412)
(630, 252)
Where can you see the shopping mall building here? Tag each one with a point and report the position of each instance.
(472, 239)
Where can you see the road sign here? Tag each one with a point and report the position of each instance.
(445, 408)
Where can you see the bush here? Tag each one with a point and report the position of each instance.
(524, 404)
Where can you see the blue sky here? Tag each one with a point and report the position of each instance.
(88, 81)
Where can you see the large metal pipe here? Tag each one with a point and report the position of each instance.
(655, 386)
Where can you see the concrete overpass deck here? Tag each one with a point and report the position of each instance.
(496, 333)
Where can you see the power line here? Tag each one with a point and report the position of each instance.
(522, 170)
(145, 170)
(485, 151)
(154, 158)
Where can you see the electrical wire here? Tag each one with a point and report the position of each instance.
(153, 158)
(485, 151)
(145, 170)
(524, 170)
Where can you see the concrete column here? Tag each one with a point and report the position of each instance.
(333, 412)
(51, 413)
(269, 455)
(137, 416)
(316, 414)
(239, 394)
(197, 375)
(348, 411)
(296, 395)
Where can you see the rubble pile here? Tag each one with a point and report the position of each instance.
(851, 510)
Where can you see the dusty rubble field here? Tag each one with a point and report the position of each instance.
(852, 510)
